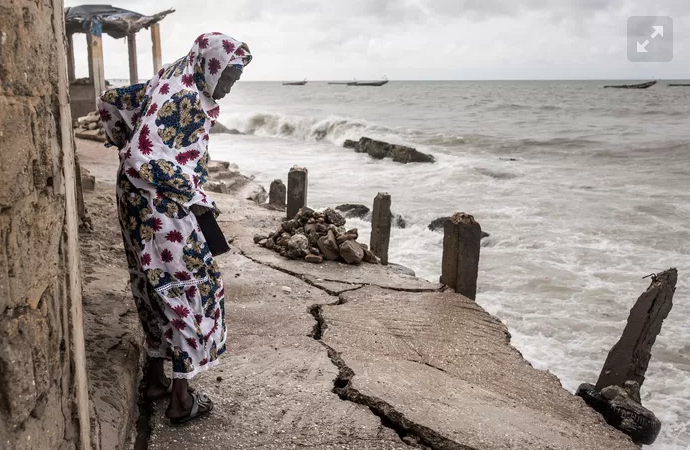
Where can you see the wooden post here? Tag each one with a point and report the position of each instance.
(94, 45)
(132, 51)
(297, 191)
(460, 264)
(381, 218)
(71, 72)
(156, 50)
(629, 358)
(277, 194)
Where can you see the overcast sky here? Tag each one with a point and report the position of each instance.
(410, 39)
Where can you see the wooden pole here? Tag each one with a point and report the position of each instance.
(71, 72)
(156, 50)
(381, 218)
(132, 51)
(460, 264)
(94, 45)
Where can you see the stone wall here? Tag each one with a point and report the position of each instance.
(43, 393)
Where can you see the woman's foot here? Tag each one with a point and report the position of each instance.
(158, 385)
(185, 406)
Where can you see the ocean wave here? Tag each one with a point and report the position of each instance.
(332, 129)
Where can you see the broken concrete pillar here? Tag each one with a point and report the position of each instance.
(460, 265)
(629, 358)
(277, 194)
(381, 217)
(296, 191)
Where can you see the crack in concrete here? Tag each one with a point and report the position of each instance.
(329, 291)
(411, 433)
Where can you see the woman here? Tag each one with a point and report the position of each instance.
(162, 129)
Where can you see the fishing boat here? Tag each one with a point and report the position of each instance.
(633, 86)
(295, 83)
(368, 83)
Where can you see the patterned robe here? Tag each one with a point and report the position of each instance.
(161, 129)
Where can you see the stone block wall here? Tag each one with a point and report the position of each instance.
(42, 380)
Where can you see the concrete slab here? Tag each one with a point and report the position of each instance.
(444, 364)
(273, 388)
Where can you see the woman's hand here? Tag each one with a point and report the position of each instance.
(199, 210)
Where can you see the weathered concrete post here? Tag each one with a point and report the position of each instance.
(460, 265)
(629, 358)
(381, 218)
(296, 190)
(277, 194)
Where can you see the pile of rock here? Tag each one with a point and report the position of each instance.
(89, 127)
(317, 236)
(379, 150)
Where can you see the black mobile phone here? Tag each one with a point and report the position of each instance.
(214, 235)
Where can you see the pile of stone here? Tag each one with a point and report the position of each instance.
(89, 127)
(379, 150)
(316, 236)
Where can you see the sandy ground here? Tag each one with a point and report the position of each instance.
(332, 356)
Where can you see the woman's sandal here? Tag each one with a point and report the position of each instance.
(200, 400)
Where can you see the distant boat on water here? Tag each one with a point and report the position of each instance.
(363, 83)
(679, 84)
(295, 83)
(633, 86)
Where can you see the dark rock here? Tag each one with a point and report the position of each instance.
(438, 224)
(622, 412)
(399, 221)
(351, 210)
(350, 143)
(334, 217)
(298, 246)
(399, 153)
(406, 155)
(314, 259)
(402, 269)
(329, 247)
(259, 237)
(369, 255)
(351, 252)
(277, 194)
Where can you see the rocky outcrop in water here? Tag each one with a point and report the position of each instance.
(380, 150)
(218, 128)
(351, 210)
(316, 236)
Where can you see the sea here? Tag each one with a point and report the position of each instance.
(583, 190)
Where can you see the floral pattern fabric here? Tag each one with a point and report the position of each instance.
(161, 130)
